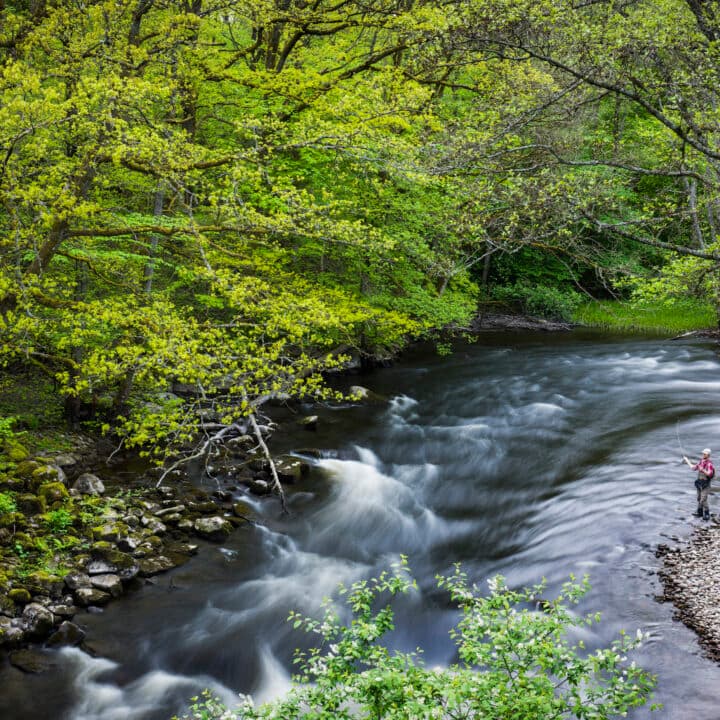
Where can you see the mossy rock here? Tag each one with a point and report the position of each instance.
(20, 596)
(15, 450)
(53, 492)
(44, 583)
(110, 532)
(30, 504)
(11, 483)
(46, 475)
(25, 469)
(16, 520)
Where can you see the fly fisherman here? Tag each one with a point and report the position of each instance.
(705, 471)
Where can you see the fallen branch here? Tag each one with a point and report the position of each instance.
(277, 487)
(205, 447)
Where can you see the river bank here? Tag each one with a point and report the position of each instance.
(74, 537)
(690, 576)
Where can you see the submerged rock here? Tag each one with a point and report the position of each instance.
(31, 661)
(67, 634)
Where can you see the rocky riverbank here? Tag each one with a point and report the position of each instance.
(71, 541)
(690, 575)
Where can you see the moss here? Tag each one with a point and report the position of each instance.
(53, 492)
(20, 596)
(15, 450)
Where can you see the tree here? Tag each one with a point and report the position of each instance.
(516, 661)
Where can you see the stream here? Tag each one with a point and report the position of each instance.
(528, 455)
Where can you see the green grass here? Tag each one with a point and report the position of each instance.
(681, 316)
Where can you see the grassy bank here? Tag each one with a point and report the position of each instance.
(615, 315)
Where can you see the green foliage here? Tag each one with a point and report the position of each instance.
(58, 521)
(516, 661)
(674, 316)
(539, 300)
(7, 504)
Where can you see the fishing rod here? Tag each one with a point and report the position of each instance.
(682, 449)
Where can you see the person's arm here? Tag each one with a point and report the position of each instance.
(690, 465)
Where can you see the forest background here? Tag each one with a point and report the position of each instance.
(233, 197)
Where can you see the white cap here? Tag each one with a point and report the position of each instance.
(706, 451)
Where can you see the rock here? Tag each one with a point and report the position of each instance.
(44, 583)
(359, 392)
(10, 634)
(67, 634)
(15, 450)
(63, 610)
(155, 565)
(215, 528)
(47, 475)
(290, 469)
(206, 507)
(309, 422)
(37, 620)
(53, 492)
(29, 504)
(109, 560)
(127, 544)
(170, 510)
(89, 484)
(26, 468)
(31, 661)
(153, 525)
(186, 525)
(243, 510)
(65, 460)
(259, 487)
(20, 596)
(109, 531)
(75, 580)
(91, 596)
(108, 583)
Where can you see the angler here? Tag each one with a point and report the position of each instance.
(706, 472)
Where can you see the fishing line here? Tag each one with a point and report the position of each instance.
(677, 432)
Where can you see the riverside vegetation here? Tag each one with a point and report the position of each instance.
(206, 205)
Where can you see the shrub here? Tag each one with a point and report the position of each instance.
(539, 300)
(515, 662)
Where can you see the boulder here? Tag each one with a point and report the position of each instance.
(109, 560)
(155, 565)
(20, 596)
(259, 487)
(15, 450)
(309, 422)
(214, 528)
(53, 492)
(10, 634)
(44, 583)
(37, 620)
(67, 634)
(63, 611)
(91, 596)
(109, 583)
(46, 475)
(29, 504)
(290, 469)
(76, 580)
(89, 484)
(65, 460)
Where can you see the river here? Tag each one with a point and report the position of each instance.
(522, 454)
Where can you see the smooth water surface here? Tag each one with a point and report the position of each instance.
(531, 456)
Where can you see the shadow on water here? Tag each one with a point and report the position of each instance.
(531, 456)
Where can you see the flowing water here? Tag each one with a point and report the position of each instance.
(531, 456)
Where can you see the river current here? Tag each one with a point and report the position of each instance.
(526, 455)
